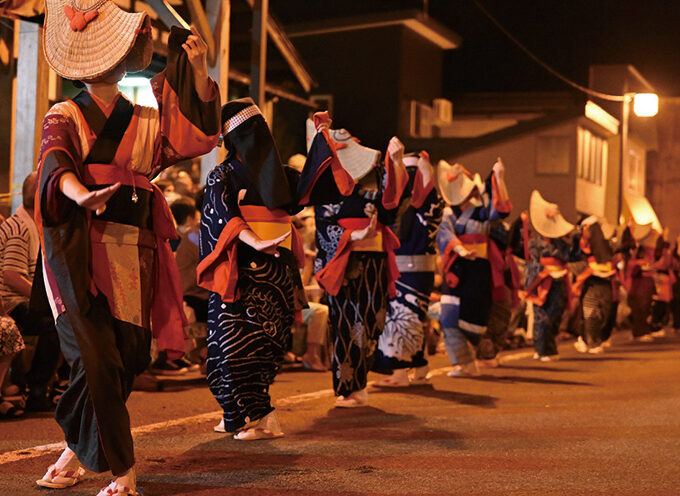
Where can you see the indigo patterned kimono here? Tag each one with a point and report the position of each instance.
(359, 277)
(469, 283)
(549, 288)
(249, 322)
(109, 278)
(254, 297)
(401, 344)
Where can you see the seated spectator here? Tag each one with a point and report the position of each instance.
(11, 343)
(19, 248)
(315, 317)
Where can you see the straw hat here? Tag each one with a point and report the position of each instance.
(456, 182)
(297, 161)
(85, 39)
(356, 159)
(546, 217)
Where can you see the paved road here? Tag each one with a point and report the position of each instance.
(586, 425)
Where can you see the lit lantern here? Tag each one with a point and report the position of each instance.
(646, 104)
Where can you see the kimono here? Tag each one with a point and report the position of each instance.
(401, 345)
(253, 296)
(549, 289)
(469, 283)
(110, 278)
(359, 277)
(597, 288)
(664, 280)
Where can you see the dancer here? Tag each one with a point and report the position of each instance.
(639, 278)
(355, 260)
(402, 344)
(473, 265)
(250, 258)
(108, 268)
(547, 276)
(596, 287)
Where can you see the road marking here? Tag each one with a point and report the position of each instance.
(35, 451)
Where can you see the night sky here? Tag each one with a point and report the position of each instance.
(568, 34)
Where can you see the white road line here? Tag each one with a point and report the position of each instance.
(35, 451)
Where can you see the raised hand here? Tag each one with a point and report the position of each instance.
(396, 150)
(96, 200)
(197, 53)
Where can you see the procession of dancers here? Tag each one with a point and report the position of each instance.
(384, 227)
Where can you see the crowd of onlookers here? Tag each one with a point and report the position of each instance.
(33, 374)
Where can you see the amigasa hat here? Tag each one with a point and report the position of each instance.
(85, 39)
(356, 159)
(456, 182)
(546, 217)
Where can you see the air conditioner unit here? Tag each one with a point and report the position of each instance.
(420, 120)
(443, 110)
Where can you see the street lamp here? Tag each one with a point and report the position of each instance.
(644, 105)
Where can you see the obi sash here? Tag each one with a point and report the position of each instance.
(553, 269)
(594, 269)
(417, 263)
(268, 224)
(167, 312)
(483, 248)
(218, 271)
(332, 275)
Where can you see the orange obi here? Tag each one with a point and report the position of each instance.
(553, 269)
(332, 275)
(268, 224)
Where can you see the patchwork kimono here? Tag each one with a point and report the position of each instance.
(110, 278)
(469, 283)
(402, 342)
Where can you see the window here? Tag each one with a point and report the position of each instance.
(634, 176)
(592, 157)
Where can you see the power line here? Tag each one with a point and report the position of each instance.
(588, 91)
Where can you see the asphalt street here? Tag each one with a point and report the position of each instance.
(584, 425)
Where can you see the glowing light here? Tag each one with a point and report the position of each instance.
(133, 81)
(646, 104)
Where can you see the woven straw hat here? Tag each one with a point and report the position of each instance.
(85, 39)
(356, 159)
(456, 182)
(546, 217)
(297, 161)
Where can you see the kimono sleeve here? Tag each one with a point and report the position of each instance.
(60, 152)
(447, 232)
(323, 177)
(494, 208)
(189, 126)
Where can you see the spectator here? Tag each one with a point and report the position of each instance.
(19, 247)
(11, 343)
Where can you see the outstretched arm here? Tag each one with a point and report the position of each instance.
(92, 200)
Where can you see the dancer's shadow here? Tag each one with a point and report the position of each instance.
(373, 424)
(220, 463)
(601, 358)
(537, 368)
(428, 391)
(510, 379)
